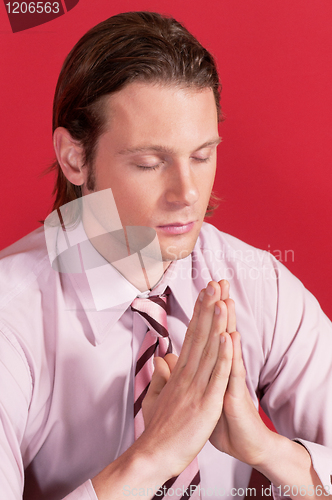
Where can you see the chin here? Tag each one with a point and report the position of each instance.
(178, 247)
(173, 253)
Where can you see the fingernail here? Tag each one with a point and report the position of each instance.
(222, 339)
(216, 310)
(201, 296)
(210, 290)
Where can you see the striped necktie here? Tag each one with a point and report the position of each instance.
(158, 343)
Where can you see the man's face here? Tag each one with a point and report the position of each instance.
(158, 155)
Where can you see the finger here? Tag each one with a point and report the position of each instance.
(191, 328)
(237, 380)
(196, 333)
(200, 336)
(159, 379)
(160, 376)
(171, 359)
(231, 316)
(224, 289)
(211, 350)
(220, 376)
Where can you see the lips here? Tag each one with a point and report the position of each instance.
(177, 227)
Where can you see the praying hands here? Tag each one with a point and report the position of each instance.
(212, 358)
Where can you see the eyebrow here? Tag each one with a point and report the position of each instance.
(164, 149)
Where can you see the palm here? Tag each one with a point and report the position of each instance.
(240, 431)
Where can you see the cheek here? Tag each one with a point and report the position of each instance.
(135, 201)
(205, 183)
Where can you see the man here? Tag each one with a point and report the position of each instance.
(135, 133)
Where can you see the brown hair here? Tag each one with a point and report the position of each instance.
(131, 46)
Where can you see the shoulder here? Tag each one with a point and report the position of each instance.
(244, 263)
(255, 276)
(28, 288)
(217, 245)
(21, 264)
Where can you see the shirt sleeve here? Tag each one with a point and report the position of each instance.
(296, 380)
(16, 392)
(15, 383)
(321, 457)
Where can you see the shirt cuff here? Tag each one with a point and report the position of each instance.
(321, 458)
(84, 492)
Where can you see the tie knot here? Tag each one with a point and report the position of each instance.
(153, 312)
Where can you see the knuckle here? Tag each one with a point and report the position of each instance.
(198, 337)
(194, 404)
(190, 331)
(223, 306)
(222, 372)
(208, 354)
(230, 303)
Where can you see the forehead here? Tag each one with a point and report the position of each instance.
(162, 114)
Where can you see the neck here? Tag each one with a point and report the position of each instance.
(133, 251)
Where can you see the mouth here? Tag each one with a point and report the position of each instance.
(177, 227)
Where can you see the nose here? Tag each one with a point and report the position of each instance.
(182, 186)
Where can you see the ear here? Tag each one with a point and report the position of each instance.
(69, 154)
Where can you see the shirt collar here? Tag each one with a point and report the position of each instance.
(178, 278)
(105, 294)
(114, 294)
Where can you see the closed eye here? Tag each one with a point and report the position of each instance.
(153, 167)
(202, 160)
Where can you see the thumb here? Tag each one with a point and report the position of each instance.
(160, 376)
(159, 379)
(237, 380)
(171, 359)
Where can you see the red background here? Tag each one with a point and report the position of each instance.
(275, 62)
(274, 174)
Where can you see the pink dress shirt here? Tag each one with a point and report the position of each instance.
(68, 346)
